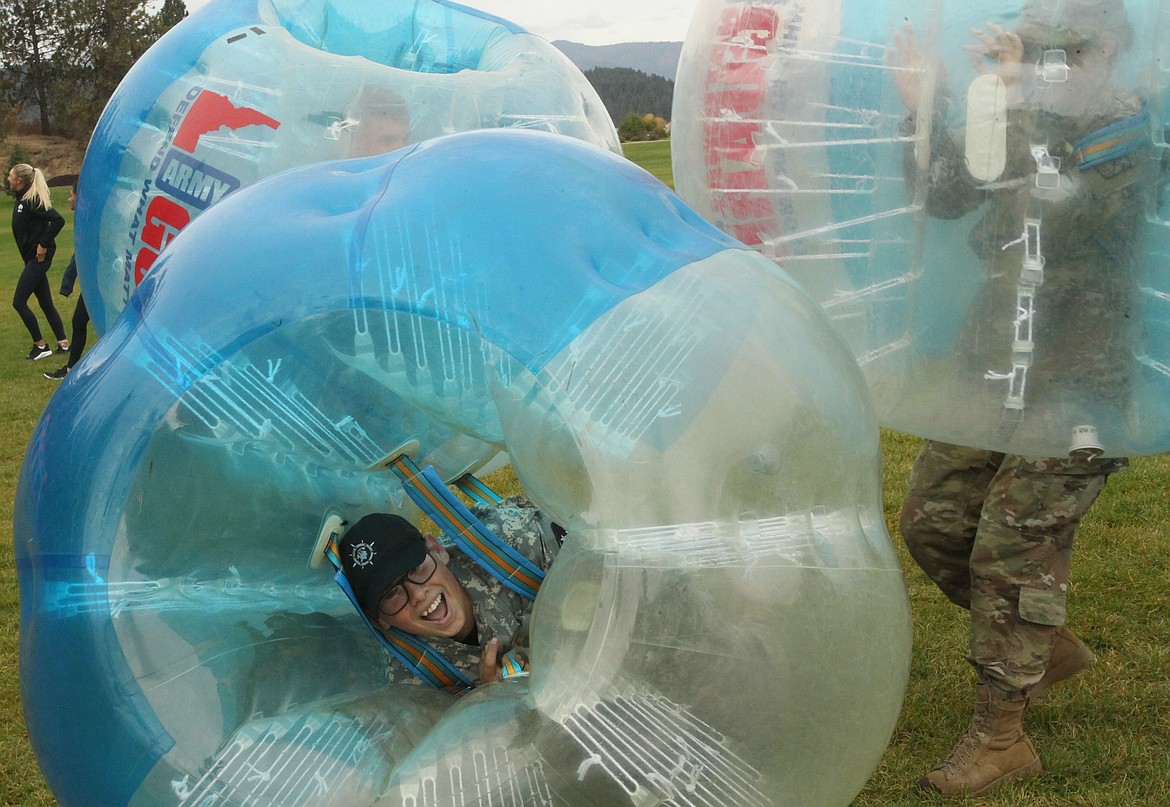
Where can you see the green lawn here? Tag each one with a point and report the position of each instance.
(1104, 737)
(654, 156)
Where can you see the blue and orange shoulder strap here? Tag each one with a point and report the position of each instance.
(501, 560)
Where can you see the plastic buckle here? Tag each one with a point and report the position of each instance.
(1053, 66)
(1047, 168)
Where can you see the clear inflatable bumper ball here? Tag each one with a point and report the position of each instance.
(726, 622)
(975, 192)
(245, 88)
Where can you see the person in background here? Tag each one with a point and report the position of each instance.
(383, 123)
(80, 320)
(35, 225)
(995, 531)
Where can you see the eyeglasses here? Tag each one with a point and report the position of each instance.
(395, 598)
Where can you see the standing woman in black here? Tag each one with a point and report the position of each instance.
(35, 225)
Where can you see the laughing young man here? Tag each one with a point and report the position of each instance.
(405, 580)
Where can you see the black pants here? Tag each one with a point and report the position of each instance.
(80, 323)
(34, 281)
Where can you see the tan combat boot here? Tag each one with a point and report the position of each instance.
(1069, 657)
(993, 750)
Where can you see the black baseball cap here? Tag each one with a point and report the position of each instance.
(375, 552)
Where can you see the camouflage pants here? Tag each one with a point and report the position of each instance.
(995, 534)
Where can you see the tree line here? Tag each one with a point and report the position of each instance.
(638, 102)
(65, 58)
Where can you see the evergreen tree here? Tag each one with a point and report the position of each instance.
(625, 91)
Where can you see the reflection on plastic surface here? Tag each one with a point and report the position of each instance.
(726, 623)
(245, 88)
(988, 229)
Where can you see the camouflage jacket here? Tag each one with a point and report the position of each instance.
(1087, 231)
(499, 612)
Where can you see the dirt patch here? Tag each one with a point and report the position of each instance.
(59, 157)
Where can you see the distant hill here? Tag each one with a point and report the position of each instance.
(623, 91)
(655, 58)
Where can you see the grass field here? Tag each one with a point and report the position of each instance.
(1104, 737)
(654, 156)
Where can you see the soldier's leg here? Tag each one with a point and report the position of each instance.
(940, 516)
(1020, 564)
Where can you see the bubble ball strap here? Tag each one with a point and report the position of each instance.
(470, 534)
(514, 664)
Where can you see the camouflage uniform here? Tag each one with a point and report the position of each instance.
(1088, 229)
(995, 534)
(499, 612)
(995, 531)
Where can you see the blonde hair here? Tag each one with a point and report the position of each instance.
(36, 188)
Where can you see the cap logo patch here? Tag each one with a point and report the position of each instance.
(362, 554)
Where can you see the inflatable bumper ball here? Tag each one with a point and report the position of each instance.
(244, 88)
(975, 192)
(726, 622)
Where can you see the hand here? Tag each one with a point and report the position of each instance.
(907, 63)
(1003, 48)
(489, 662)
(41, 252)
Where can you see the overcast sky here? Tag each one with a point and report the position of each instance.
(594, 22)
(597, 22)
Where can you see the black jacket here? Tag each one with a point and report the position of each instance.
(33, 225)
